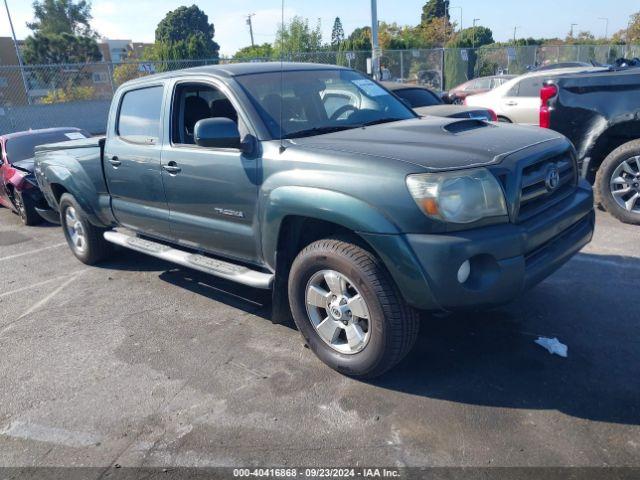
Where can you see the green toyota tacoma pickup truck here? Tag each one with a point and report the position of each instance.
(315, 182)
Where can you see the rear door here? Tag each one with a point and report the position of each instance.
(522, 103)
(132, 161)
(212, 192)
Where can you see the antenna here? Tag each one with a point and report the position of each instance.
(282, 147)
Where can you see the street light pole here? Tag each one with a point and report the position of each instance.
(515, 29)
(250, 23)
(572, 25)
(375, 54)
(606, 27)
(460, 8)
(473, 41)
(18, 54)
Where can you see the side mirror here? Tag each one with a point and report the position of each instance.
(217, 132)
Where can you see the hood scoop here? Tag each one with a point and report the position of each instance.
(465, 126)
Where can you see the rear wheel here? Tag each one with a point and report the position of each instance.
(26, 209)
(618, 183)
(85, 239)
(348, 309)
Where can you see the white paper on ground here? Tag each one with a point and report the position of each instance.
(553, 345)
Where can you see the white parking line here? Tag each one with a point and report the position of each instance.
(32, 252)
(54, 435)
(34, 285)
(46, 299)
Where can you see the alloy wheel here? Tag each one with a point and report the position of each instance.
(75, 230)
(625, 185)
(338, 312)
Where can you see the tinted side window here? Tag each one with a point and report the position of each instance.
(530, 87)
(140, 112)
(418, 97)
(482, 84)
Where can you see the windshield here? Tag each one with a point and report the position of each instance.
(313, 102)
(21, 148)
(418, 97)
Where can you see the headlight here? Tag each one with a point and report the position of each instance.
(463, 196)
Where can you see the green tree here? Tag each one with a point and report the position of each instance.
(337, 33)
(264, 51)
(360, 39)
(298, 37)
(185, 33)
(629, 35)
(461, 66)
(61, 33)
(434, 9)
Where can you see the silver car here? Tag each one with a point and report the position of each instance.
(518, 100)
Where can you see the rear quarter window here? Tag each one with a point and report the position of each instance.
(140, 114)
(530, 87)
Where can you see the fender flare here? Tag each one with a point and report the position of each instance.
(320, 204)
(77, 184)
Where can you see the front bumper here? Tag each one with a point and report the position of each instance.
(505, 259)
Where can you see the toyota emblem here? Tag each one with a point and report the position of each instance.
(552, 180)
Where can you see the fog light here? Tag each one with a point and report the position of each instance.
(464, 271)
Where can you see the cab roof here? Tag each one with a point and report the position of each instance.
(238, 69)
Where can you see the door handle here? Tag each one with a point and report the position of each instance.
(511, 103)
(115, 161)
(172, 168)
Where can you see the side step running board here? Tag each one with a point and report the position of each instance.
(212, 266)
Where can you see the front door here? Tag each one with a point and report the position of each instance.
(132, 163)
(211, 192)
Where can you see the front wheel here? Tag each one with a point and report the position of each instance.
(618, 183)
(85, 239)
(348, 309)
(26, 210)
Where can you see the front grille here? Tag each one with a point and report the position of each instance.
(535, 195)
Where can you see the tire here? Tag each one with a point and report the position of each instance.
(92, 247)
(612, 168)
(26, 210)
(391, 325)
(504, 120)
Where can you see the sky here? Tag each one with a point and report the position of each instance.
(137, 19)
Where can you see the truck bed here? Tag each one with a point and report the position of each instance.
(72, 144)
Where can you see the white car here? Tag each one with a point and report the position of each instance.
(518, 100)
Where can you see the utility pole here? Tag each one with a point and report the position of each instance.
(250, 23)
(572, 25)
(460, 8)
(375, 54)
(18, 54)
(515, 29)
(606, 27)
(473, 42)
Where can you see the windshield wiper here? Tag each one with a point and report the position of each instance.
(309, 132)
(379, 121)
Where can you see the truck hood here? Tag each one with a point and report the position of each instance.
(433, 143)
(454, 111)
(25, 165)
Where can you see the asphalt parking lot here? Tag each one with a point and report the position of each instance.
(140, 363)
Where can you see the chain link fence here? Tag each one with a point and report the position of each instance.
(42, 96)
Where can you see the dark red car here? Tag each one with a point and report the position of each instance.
(18, 187)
